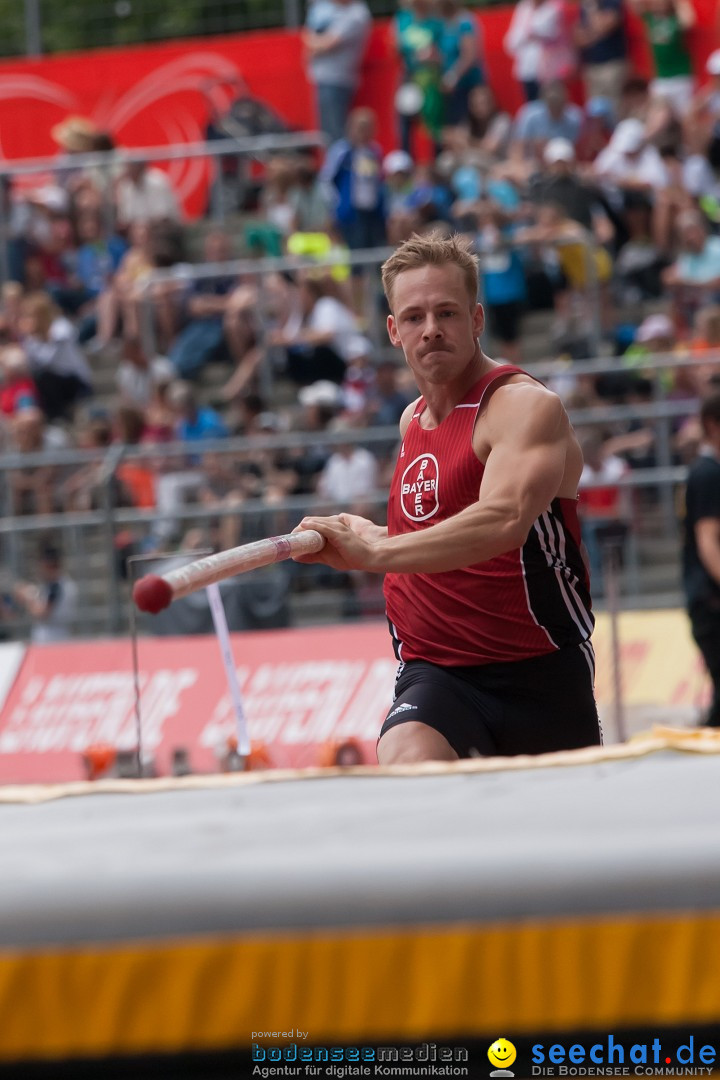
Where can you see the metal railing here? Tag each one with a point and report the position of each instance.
(365, 259)
(106, 520)
(369, 259)
(257, 147)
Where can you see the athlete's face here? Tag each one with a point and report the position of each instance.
(435, 322)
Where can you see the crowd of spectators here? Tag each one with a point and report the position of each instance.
(598, 200)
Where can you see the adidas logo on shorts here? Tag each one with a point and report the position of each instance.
(401, 709)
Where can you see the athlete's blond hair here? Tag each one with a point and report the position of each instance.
(432, 250)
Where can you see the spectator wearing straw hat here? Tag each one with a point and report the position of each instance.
(76, 135)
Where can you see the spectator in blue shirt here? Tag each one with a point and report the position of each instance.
(460, 56)
(694, 277)
(207, 312)
(95, 264)
(353, 174)
(553, 117)
(97, 258)
(503, 281)
(194, 422)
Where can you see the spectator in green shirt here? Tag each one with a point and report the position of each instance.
(666, 24)
(418, 35)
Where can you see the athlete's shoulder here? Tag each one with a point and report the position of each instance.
(520, 391)
(525, 408)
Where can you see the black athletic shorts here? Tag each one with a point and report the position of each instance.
(525, 707)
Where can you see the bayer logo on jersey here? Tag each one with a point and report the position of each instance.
(419, 488)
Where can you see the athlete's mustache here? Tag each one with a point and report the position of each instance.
(434, 348)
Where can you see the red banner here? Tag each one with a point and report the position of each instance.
(300, 689)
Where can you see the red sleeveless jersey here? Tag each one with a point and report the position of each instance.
(524, 603)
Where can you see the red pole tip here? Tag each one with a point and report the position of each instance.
(152, 593)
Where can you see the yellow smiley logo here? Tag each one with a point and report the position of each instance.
(502, 1053)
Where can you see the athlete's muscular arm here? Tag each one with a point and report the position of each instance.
(528, 433)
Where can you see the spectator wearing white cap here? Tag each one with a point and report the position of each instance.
(656, 336)
(398, 169)
(402, 218)
(629, 162)
(712, 91)
(600, 36)
(658, 331)
(559, 183)
(705, 112)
